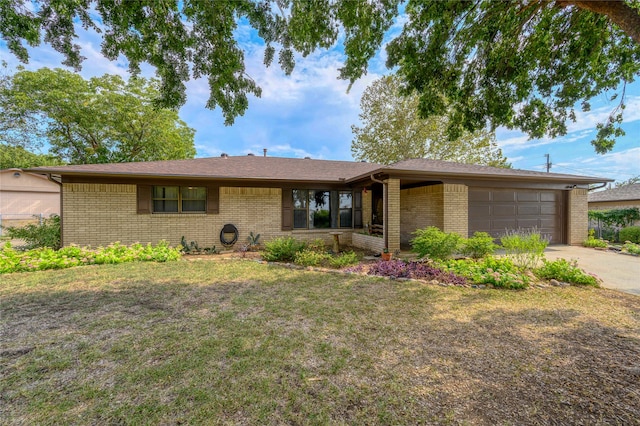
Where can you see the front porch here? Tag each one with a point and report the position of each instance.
(400, 206)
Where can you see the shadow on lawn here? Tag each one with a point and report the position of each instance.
(302, 345)
(534, 366)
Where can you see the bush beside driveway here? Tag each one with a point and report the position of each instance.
(617, 271)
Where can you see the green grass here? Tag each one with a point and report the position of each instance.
(228, 342)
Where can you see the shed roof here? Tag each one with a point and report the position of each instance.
(622, 193)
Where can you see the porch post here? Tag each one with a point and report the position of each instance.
(578, 216)
(392, 214)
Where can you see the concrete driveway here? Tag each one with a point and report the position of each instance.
(618, 271)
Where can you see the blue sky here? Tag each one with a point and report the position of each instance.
(310, 113)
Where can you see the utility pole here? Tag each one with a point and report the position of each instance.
(548, 162)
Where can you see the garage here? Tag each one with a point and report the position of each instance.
(496, 210)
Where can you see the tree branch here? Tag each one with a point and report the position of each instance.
(618, 12)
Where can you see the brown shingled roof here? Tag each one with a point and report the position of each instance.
(443, 169)
(289, 169)
(239, 167)
(622, 193)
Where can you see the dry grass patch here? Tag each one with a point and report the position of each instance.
(240, 342)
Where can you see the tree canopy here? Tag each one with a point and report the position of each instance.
(631, 181)
(100, 120)
(392, 131)
(521, 65)
(20, 158)
(513, 63)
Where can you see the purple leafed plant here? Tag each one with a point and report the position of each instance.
(357, 269)
(417, 270)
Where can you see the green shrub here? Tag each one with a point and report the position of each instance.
(565, 271)
(616, 217)
(317, 245)
(194, 248)
(479, 245)
(43, 258)
(592, 241)
(434, 243)
(595, 242)
(346, 258)
(253, 240)
(282, 249)
(309, 258)
(524, 246)
(609, 222)
(630, 233)
(11, 260)
(609, 234)
(630, 247)
(44, 234)
(499, 272)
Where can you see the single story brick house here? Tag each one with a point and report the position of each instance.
(309, 199)
(623, 197)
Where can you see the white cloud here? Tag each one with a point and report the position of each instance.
(309, 113)
(620, 165)
(588, 120)
(310, 110)
(584, 127)
(313, 75)
(287, 149)
(208, 150)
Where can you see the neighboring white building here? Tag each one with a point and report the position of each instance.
(24, 195)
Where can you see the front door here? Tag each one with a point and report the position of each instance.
(377, 204)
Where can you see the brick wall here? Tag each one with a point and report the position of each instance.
(611, 205)
(578, 221)
(444, 206)
(420, 208)
(323, 234)
(368, 242)
(99, 214)
(456, 209)
(392, 216)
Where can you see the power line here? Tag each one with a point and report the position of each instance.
(591, 171)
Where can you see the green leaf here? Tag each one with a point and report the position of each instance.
(100, 120)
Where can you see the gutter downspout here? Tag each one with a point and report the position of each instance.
(385, 208)
(597, 187)
(50, 178)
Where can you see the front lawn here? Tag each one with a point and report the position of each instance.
(239, 342)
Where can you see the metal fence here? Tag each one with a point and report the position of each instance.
(20, 219)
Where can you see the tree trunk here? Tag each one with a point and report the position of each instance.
(618, 12)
